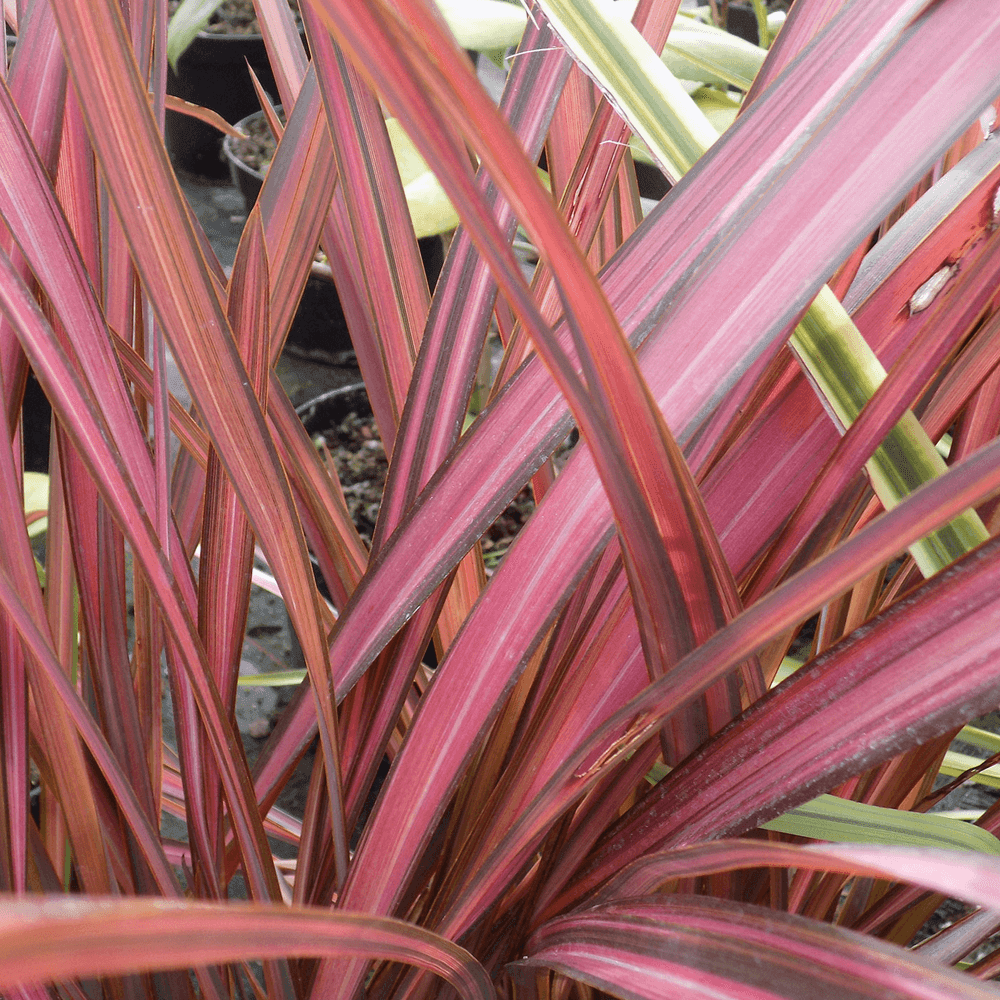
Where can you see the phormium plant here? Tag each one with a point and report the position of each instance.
(785, 382)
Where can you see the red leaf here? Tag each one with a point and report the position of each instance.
(697, 947)
(82, 938)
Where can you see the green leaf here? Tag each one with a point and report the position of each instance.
(718, 107)
(845, 821)
(276, 678)
(430, 209)
(847, 373)
(697, 51)
(787, 667)
(980, 738)
(189, 18)
(956, 763)
(484, 25)
(655, 104)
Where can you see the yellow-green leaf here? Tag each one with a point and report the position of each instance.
(189, 18)
(274, 678)
(36, 497)
(981, 738)
(845, 821)
(484, 25)
(718, 107)
(430, 209)
(655, 104)
(956, 763)
(697, 51)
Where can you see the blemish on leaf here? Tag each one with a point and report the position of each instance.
(929, 290)
(987, 120)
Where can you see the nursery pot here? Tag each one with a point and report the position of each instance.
(328, 409)
(742, 21)
(213, 73)
(36, 421)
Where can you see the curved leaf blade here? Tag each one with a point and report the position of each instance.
(700, 947)
(80, 938)
(967, 875)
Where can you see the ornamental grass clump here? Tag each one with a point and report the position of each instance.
(616, 780)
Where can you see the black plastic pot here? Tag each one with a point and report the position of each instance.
(742, 21)
(651, 180)
(36, 423)
(247, 179)
(213, 73)
(329, 408)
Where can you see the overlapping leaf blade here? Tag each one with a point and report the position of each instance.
(517, 803)
(701, 947)
(597, 753)
(685, 388)
(56, 939)
(971, 878)
(188, 306)
(546, 604)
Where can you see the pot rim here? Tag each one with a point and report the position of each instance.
(227, 146)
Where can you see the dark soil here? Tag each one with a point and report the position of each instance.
(234, 17)
(257, 149)
(362, 464)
